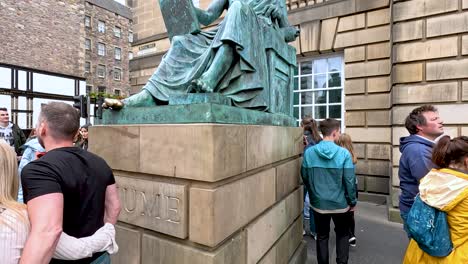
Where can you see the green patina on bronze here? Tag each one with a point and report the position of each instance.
(193, 113)
(191, 98)
(245, 58)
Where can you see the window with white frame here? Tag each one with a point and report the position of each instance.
(130, 55)
(117, 74)
(117, 32)
(101, 71)
(130, 36)
(87, 21)
(87, 44)
(318, 89)
(87, 66)
(117, 53)
(101, 49)
(101, 26)
(117, 92)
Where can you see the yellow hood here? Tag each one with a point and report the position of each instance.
(443, 189)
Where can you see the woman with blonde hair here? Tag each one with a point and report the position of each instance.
(345, 141)
(14, 224)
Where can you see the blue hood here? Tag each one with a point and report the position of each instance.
(326, 149)
(34, 145)
(413, 139)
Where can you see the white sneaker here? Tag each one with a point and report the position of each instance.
(303, 232)
(352, 241)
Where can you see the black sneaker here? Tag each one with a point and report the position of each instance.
(352, 241)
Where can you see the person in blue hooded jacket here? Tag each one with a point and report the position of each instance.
(30, 148)
(328, 173)
(425, 126)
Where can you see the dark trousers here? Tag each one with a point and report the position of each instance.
(322, 225)
(352, 225)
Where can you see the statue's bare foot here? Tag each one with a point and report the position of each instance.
(204, 84)
(114, 104)
(143, 98)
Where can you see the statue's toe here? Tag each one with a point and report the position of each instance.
(112, 103)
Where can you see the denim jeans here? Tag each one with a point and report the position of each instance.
(308, 212)
(341, 221)
(103, 259)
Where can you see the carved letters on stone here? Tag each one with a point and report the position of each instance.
(158, 206)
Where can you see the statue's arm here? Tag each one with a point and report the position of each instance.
(214, 11)
(290, 32)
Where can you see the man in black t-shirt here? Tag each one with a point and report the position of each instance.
(67, 189)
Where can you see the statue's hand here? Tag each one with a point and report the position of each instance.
(114, 104)
(290, 33)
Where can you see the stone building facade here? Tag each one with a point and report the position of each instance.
(107, 41)
(41, 55)
(394, 54)
(35, 37)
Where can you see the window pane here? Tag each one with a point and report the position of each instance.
(296, 71)
(87, 21)
(22, 104)
(52, 84)
(306, 98)
(334, 80)
(296, 83)
(296, 98)
(334, 64)
(5, 78)
(320, 81)
(117, 32)
(320, 97)
(335, 111)
(22, 123)
(117, 54)
(306, 82)
(306, 111)
(306, 67)
(5, 101)
(320, 66)
(296, 112)
(101, 26)
(334, 96)
(320, 112)
(22, 80)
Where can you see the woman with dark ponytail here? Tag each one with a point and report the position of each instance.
(447, 190)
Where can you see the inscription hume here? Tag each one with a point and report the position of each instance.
(158, 206)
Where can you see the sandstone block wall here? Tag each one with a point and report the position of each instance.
(206, 193)
(360, 30)
(429, 65)
(398, 55)
(43, 35)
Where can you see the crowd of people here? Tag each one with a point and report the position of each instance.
(68, 204)
(432, 168)
(59, 202)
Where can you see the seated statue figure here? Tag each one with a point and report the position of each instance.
(229, 59)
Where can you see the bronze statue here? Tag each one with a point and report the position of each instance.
(230, 59)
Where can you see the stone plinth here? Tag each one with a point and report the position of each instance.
(205, 193)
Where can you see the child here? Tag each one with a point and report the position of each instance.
(345, 141)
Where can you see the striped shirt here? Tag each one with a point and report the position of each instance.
(14, 233)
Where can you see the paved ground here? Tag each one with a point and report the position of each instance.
(378, 240)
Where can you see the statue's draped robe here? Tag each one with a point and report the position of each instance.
(191, 55)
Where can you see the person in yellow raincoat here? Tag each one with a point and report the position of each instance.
(447, 190)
